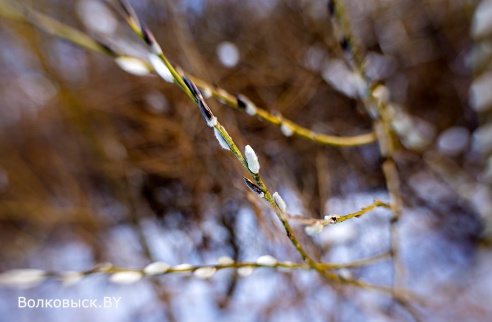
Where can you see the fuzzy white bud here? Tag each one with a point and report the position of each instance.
(266, 260)
(251, 159)
(279, 202)
(244, 102)
(204, 272)
(127, 277)
(206, 92)
(225, 260)
(161, 68)
(182, 267)
(314, 229)
(22, 277)
(222, 141)
(286, 130)
(156, 268)
(245, 271)
(133, 66)
(381, 93)
(250, 109)
(345, 273)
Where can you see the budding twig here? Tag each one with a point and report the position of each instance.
(380, 112)
(25, 14)
(120, 275)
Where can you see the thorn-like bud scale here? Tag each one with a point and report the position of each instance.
(253, 187)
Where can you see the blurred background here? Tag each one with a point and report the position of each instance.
(97, 165)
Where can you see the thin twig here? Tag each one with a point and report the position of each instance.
(379, 111)
(335, 219)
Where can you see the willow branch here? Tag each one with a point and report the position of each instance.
(25, 14)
